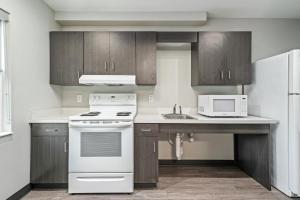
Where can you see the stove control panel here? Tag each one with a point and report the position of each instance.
(112, 99)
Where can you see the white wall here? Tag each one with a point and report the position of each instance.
(28, 57)
(269, 37)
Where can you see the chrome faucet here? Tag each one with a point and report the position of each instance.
(174, 109)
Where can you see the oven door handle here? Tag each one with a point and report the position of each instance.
(100, 125)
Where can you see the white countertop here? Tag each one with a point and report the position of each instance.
(55, 115)
(199, 119)
(150, 115)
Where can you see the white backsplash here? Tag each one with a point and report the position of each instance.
(173, 87)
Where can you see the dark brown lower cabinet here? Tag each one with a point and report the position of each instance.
(49, 155)
(146, 154)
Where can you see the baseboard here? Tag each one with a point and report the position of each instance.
(21, 193)
(145, 185)
(196, 162)
(49, 185)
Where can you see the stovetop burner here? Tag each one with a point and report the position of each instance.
(91, 114)
(123, 113)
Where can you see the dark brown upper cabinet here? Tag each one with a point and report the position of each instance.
(146, 58)
(109, 53)
(221, 58)
(96, 53)
(66, 57)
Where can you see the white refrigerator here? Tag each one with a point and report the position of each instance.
(275, 93)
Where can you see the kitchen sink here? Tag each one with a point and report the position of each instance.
(177, 116)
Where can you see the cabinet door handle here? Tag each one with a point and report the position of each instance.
(113, 66)
(154, 147)
(146, 129)
(65, 147)
(229, 74)
(222, 75)
(105, 66)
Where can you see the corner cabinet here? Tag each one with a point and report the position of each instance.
(109, 53)
(49, 155)
(146, 154)
(221, 58)
(66, 58)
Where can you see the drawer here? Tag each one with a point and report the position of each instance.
(146, 130)
(100, 183)
(49, 129)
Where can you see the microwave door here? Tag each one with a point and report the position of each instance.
(224, 106)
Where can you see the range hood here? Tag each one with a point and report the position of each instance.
(113, 80)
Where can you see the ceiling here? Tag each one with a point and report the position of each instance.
(215, 8)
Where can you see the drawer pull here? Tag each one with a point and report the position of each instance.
(154, 147)
(146, 129)
(48, 130)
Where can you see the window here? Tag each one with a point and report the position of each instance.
(5, 101)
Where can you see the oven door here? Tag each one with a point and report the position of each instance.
(101, 148)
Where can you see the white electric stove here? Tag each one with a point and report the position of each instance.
(101, 145)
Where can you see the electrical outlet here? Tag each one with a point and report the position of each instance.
(151, 99)
(79, 98)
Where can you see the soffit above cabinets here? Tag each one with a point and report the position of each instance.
(131, 18)
(258, 9)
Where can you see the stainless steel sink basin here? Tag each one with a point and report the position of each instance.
(177, 116)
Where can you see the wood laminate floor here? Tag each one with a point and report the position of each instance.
(183, 183)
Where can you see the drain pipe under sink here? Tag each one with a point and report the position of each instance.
(179, 146)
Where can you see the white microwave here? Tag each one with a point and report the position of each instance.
(222, 105)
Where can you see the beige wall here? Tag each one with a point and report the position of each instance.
(28, 60)
(269, 37)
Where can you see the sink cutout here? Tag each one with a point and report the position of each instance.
(177, 116)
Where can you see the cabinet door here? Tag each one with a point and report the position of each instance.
(122, 53)
(49, 159)
(146, 58)
(59, 155)
(208, 59)
(66, 57)
(237, 46)
(145, 159)
(41, 167)
(96, 53)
